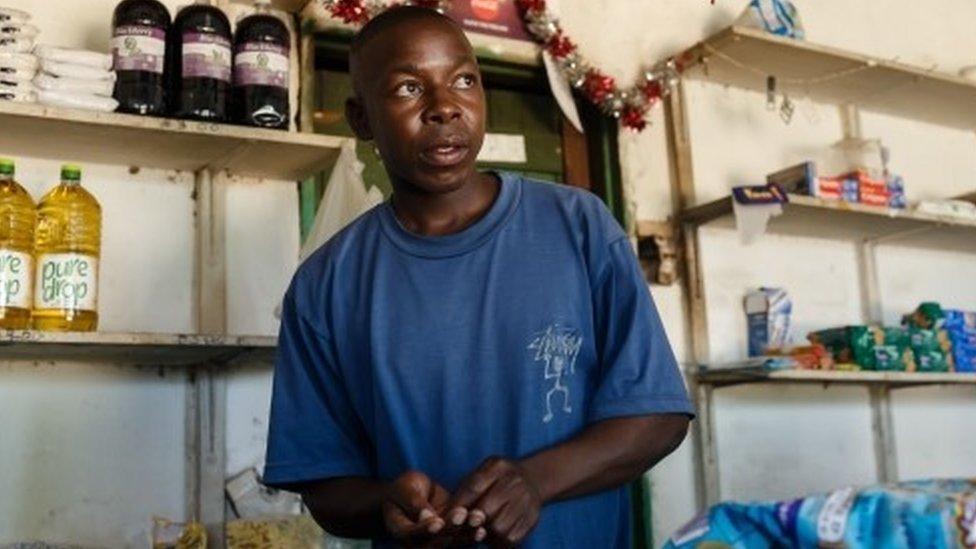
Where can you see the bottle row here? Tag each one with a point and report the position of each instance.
(194, 67)
(49, 254)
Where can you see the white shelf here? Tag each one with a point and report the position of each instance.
(874, 84)
(133, 348)
(816, 217)
(722, 377)
(151, 142)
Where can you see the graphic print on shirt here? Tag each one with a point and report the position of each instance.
(556, 348)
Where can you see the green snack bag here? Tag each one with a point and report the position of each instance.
(933, 361)
(888, 358)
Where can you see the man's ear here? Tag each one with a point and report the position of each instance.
(356, 116)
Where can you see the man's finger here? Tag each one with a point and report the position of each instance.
(477, 483)
(403, 527)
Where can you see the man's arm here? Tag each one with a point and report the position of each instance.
(408, 509)
(506, 495)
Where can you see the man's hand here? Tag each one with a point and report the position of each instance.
(413, 510)
(498, 499)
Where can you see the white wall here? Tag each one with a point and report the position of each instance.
(777, 443)
(122, 429)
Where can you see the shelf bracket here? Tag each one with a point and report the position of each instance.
(882, 431)
(205, 444)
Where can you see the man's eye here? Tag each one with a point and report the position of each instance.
(465, 81)
(407, 89)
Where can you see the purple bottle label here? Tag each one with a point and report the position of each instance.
(139, 48)
(261, 64)
(206, 56)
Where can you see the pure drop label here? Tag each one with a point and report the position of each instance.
(15, 279)
(66, 281)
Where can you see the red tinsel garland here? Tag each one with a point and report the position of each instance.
(630, 105)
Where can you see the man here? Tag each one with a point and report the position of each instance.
(477, 360)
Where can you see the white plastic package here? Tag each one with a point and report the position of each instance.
(345, 199)
(77, 101)
(23, 87)
(13, 16)
(19, 60)
(68, 70)
(12, 94)
(46, 81)
(85, 58)
(18, 30)
(16, 45)
(13, 74)
(779, 17)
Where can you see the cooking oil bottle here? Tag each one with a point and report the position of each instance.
(17, 216)
(68, 243)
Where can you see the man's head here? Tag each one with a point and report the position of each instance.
(418, 95)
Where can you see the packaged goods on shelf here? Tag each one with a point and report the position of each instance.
(73, 85)
(261, 66)
(11, 15)
(869, 347)
(77, 100)
(768, 312)
(84, 58)
(140, 29)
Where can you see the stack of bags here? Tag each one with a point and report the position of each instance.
(79, 79)
(961, 326)
(17, 64)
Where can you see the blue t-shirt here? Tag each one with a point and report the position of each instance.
(399, 351)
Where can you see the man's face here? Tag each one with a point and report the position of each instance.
(421, 98)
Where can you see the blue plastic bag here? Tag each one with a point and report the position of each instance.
(779, 17)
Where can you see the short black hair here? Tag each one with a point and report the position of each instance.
(394, 16)
(388, 19)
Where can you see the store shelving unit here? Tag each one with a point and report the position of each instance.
(215, 153)
(745, 58)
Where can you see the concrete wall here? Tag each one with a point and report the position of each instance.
(89, 453)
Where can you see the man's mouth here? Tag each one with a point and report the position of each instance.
(445, 153)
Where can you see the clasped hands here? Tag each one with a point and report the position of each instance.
(497, 504)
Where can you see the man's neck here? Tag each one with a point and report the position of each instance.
(442, 214)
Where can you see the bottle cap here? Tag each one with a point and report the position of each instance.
(6, 166)
(70, 172)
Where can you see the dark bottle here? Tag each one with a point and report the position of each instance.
(201, 62)
(139, 31)
(261, 61)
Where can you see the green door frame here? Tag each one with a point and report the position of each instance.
(332, 51)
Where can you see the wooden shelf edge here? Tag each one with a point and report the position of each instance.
(731, 377)
(134, 339)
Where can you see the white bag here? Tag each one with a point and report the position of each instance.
(77, 101)
(18, 30)
(10, 74)
(46, 81)
(85, 58)
(345, 199)
(13, 16)
(27, 61)
(69, 70)
(16, 45)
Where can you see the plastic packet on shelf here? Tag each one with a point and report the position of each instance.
(27, 61)
(85, 58)
(10, 74)
(76, 71)
(15, 96)
(16, 45)
(18, 30)
(10, 15)
(77, 101)
(46, 81)
(167, 534)
(779, 17)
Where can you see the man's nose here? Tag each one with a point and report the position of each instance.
(441, 108)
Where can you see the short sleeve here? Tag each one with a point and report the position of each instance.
(314, 432)
(638, 372)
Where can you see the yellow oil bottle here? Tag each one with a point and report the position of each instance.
(67, 247)
(17, 217)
